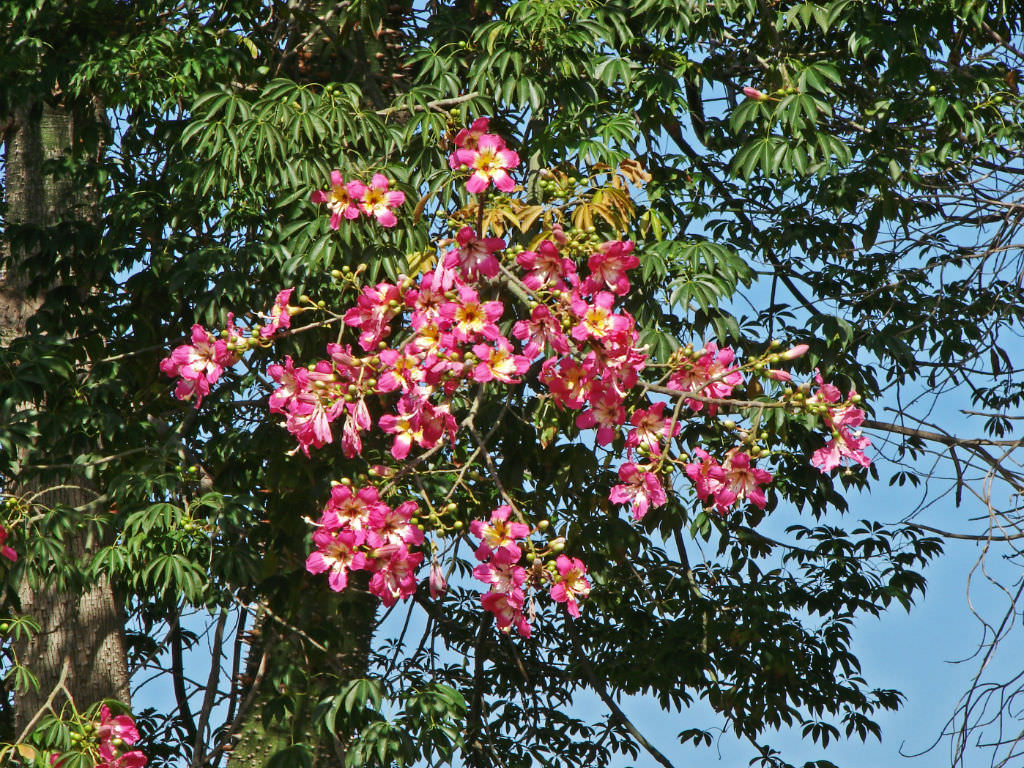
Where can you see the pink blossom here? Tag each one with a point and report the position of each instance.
(707, 475)
(471, 318)
(507, 608)
(842, 418)
(336, 552)
(499, 363)
(353, 510)
(606, 413)
(292, 380)
(651, 427)
(572, 583)
(545, 267)
(467, 138)
(845, 444)
(199, 364)
(394, 577)
(597, 321)
(475, 255)
(498, 533)
(711, 375)
(109, 758)
(5, 550)
(490, 162)
(500, 572)
(374, 309)
(639, 488)
(376, 200)
(608, 267)
(542, 329)
(570, 382)
(279, 315)
(119, 727)
(339, 200)
(742, 481)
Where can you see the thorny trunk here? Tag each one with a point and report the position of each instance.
(80, 628)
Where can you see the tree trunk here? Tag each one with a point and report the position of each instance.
(80, 629)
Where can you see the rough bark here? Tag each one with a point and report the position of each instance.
(83, 627)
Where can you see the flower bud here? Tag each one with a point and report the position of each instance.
(557, 545)
(753, 93)
(793, 353)
(438, 584)
(778, 375)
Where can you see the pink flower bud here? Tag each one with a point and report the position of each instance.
(792, 354)
(778, 375)
(438, 584)
(753, 93)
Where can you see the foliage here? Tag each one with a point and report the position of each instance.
(863, 207)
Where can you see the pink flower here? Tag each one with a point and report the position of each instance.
(336, 552)
(490, 162)
(542, 329)
(597, 321)
(373, 311)
(375, 200)
(346, 509)
(199, 364)
(608, 267)
(639, 488)
(475, 255)
(467, 138)
(498, 533)
(710, 375)
(742, 481)
(651, 427)
(498, 363)
(572, 583)
(707, 475)
(472, 318)
(119, 727)
(570, 382)
(546, 268)
(280, 314)
(507, 608)
(394, 578)
(605, 414)
(293, 381)
(842, 418)
(339, 200)
(500, 572)
(845, 444)
(6, 551)
(110, 759)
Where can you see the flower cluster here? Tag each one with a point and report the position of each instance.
(359, 532)
(499, 569)
(351, 200)
(200, 364)
(733, 480)
(708, 372)
(421, 341)
(115, 733)
(500, 554)
(842, 418)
